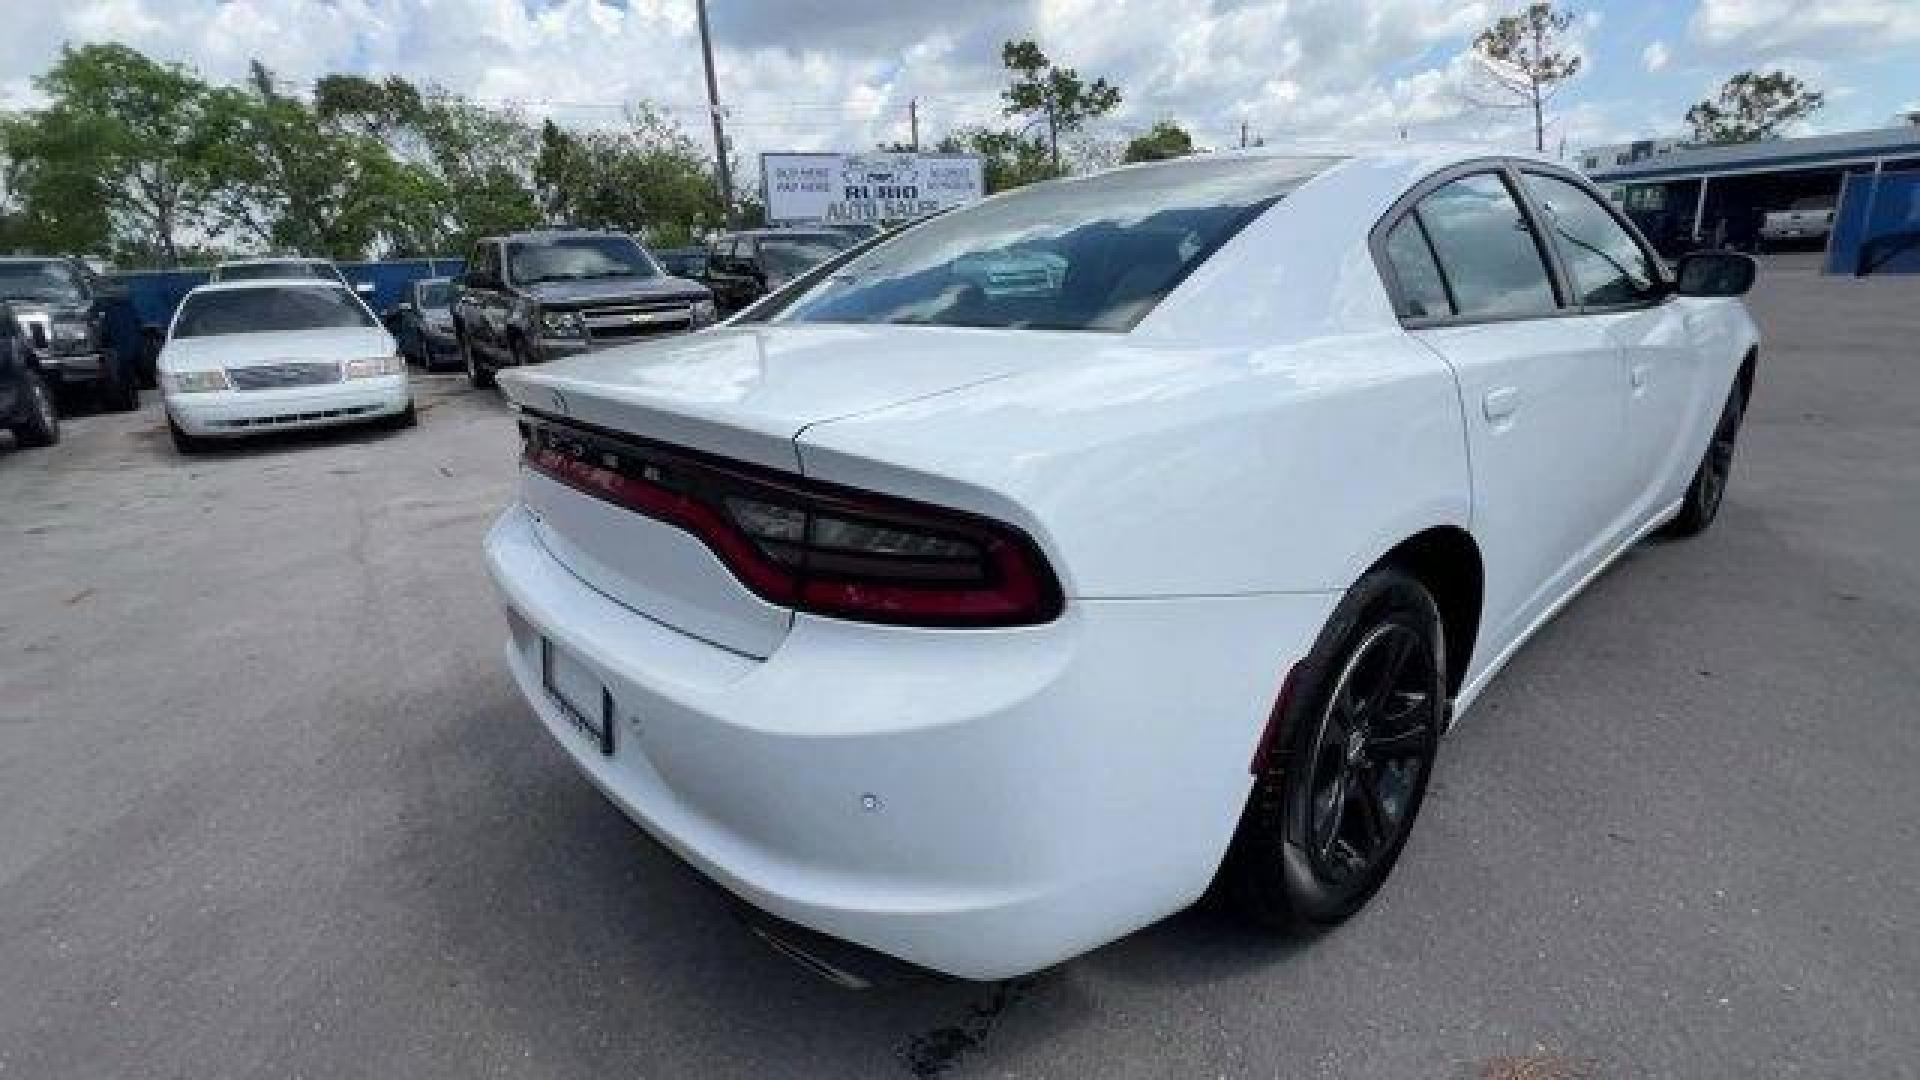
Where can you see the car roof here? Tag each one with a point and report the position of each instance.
(797, 230)
(553, 234)
(267, 260)
(271, 282)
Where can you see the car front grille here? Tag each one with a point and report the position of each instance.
(275, 376)
(616, 322)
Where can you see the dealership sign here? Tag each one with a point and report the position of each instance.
(835, 188)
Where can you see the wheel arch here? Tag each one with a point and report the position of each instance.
(1447, 561)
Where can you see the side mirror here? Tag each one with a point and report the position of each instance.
(1714, 273)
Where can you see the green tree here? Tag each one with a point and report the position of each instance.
(125, 134)
(289, 178)
(1057, 95)
(1525, 59)
(45, 206)
(1010, 159)
(646, 177)
(1165, 140)
(1752, 107)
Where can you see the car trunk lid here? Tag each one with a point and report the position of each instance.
(742, 394)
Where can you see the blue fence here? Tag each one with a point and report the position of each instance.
(1876, 229)
(137, 322)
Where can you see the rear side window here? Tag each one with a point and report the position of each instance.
(1423, 294)
(1607, 266)
(1487, 250)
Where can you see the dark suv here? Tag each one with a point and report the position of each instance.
(744, 266)
(60, 308)
(531, 297)
(26, 401)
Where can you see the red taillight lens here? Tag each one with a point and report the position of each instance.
(816, 547)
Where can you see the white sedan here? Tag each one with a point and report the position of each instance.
(252, 356)
(979, 627)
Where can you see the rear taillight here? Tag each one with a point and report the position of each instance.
(807, 545)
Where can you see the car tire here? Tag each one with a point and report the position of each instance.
(183, 442)
(478, 374)
(1708, 488)
(1359, 730)
(406, 418)
(42, 424)
(119, 388)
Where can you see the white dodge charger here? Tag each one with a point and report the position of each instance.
(251, 356)
(977, 622)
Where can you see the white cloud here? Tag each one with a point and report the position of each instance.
(810, 74)
(1730, 27)
(1655, 56)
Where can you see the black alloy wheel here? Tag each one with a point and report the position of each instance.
(1334, 803)
(1371, 753)
(479, 376)
(1709, 487)
(41, 427)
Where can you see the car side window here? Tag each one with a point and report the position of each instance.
(1607, 266)
(1487, 250)
(1423, 293)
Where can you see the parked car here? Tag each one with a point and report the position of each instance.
(530, 297)
(978, 630)
(245, 357)
(688, 262)
(60, 308)
(1810, 218)
(26, 401)
(422, 322)
(744, 266)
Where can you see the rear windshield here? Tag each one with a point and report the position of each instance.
(1095, 253)
(263, 310)
(576, 258)
(295, 268)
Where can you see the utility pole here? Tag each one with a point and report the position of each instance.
(913, 122)
(713, 110)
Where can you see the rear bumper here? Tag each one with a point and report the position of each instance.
(235, 413)
(981, 803)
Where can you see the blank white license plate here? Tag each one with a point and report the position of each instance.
(579, 693)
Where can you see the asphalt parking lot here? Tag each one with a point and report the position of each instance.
(269, 805)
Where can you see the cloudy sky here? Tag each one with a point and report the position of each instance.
(819, 74)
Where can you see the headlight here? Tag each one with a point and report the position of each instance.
(197, 382)
(562, 324)
(704, 312)
(375, 366)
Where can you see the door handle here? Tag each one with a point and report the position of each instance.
(1500, 402)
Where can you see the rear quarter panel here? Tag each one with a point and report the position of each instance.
(1155, 470)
